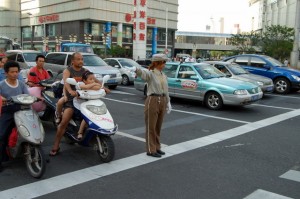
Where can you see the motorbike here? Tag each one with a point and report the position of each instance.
(45, 108)
(26, 138)
(100, 122)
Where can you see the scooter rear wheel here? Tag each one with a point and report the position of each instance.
(108, 149)
(35, 160)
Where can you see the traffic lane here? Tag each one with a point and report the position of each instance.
(285, 101)
(229, 169)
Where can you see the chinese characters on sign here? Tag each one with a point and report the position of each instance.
(49, 18)
(139, 28)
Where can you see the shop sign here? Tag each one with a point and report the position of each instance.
(49, 18)
(129, 18)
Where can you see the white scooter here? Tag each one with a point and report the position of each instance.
(100, 123)
(25, 140)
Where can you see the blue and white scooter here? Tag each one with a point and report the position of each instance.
(100, 123)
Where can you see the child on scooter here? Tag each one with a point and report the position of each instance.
(88, 83)
(60, 104)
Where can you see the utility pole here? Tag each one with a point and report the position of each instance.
(295, 52)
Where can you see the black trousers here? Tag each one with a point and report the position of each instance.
(6, 125)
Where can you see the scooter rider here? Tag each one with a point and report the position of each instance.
(75, 71)
(41, 73)
(9, 87)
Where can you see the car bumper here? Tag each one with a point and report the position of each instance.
(242, 99)
(296, 85)
(267, 89)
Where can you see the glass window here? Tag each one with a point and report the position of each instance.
(127, 32)
(51, 29)
(113, 63)
(170, 70)
(95, 29)
(242, 60)
(26, 32)
(93, 60)
(38, 31)
(20, 58)
(114, 31)
(56, 58)
(257, 62)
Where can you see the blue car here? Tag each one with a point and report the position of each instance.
(285, 79)
(202, 81)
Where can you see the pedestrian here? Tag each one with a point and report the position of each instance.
(286, 62)
(156, 103)
(9, 87)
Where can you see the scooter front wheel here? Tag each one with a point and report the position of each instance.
(107, 150)
(35, 160)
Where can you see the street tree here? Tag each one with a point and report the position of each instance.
(245, 42)
(277, 41)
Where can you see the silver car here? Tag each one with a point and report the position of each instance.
(235, 71)
(125, 66)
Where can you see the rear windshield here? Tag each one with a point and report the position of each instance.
(93, 60)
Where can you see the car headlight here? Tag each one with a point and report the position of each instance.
(260, 83)
(296, 78)
(240, 92)
(98, 110)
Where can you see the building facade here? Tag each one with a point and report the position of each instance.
(44, 24)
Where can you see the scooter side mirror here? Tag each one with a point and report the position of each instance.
(71, 81)
(105, 79)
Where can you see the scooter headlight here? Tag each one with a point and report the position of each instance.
(98, 110)
(23, 131)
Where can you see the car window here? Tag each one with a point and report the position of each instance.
(237, 69)
(128, 62)
(56, 58)
(30, 57)
(208, 71)
(69, 60)
(93, 60)
(113, 63)
(186, 72)
(222, 68)
(231, 60)
(170, 70)
(257, 62)
(12, 56)
(20, 58)
(243, 60)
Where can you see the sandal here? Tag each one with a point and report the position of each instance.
(79, 136)
(54, 152)
(57, 118)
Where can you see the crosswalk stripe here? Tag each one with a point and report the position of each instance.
(262, 194)
(291, 175)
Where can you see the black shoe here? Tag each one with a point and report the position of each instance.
(160, 152)
(156, 155)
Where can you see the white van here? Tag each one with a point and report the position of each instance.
(25, 58)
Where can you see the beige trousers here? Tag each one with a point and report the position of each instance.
(155, 109)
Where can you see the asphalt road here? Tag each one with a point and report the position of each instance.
(250, 152)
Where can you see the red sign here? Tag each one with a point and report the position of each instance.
(128, 17)
(49, 18)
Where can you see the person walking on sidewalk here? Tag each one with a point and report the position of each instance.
(156, 104)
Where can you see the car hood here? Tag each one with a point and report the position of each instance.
(233, 83)
(289, 70)
(253, 78)
(102, 69)
(31, 64)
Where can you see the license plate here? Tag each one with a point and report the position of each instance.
(111, 81)
(254, 97)
(270, 88)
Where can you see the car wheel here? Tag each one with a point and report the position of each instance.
(112, 87)
(125, 80)
(282, 85)
(213, 101)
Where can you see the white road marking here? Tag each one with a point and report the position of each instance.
(262, 194)
(180, 111)
(121, 92)
(285, 96)
(291, 175)
(85, 175)
(278, 107)
(135, 137)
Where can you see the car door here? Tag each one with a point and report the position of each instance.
(258, 67)
(186, 83)
(21, 61)
(170, 71)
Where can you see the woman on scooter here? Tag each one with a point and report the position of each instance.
(9, 87)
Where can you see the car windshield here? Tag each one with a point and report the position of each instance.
(128, 62)
(208, 71)
(30, 57)
(237, 69)
(274, 62)
(93, 60)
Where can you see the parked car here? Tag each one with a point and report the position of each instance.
(144, 62)
(285, 79)
(235, 71)
(202, 81)
(125, 66)
(58, 61)
(25, 58)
